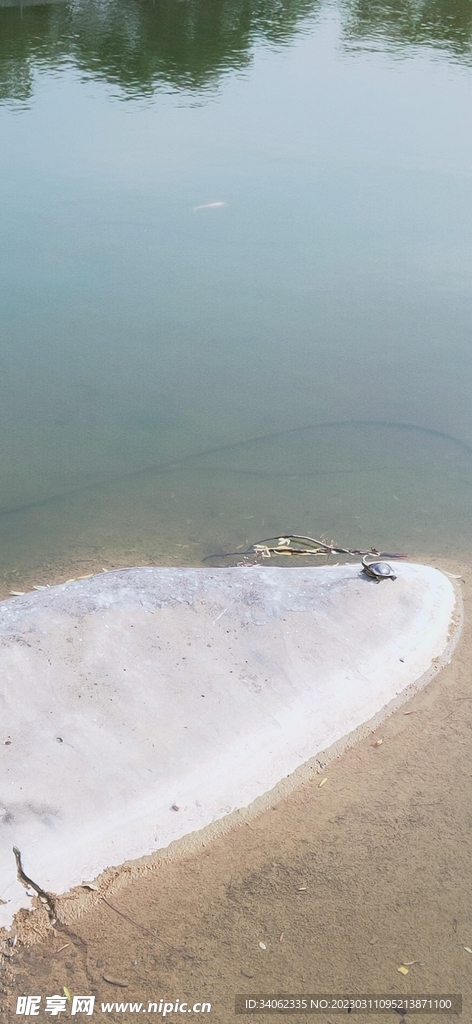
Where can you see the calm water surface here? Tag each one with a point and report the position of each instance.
(178, 379)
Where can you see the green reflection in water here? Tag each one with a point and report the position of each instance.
(436, 23)
(143, 45)
(189, 44)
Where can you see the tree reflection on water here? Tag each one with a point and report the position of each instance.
(445, 24)
(144, 45)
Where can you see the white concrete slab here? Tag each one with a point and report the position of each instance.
(124, 694)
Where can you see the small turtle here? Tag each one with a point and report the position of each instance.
(378, 570)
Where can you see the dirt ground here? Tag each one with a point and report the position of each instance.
(331, 889)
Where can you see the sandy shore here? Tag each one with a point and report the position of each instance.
(341, 883)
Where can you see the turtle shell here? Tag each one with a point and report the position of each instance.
(379, 570)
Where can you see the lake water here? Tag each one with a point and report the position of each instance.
(180, 378)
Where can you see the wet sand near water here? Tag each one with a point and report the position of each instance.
(341, 883)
